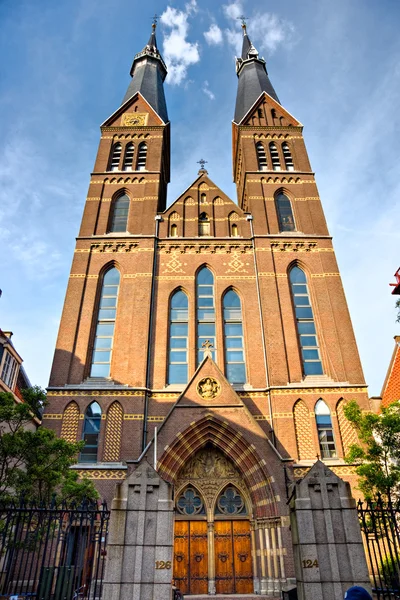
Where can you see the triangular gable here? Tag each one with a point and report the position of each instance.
(142, 105)
(280, 110)
(391, 387)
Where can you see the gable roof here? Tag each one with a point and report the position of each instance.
(391, 386)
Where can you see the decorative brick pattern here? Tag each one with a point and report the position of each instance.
(347, 432)
(70, 422)
(112, 444)
(304, 434)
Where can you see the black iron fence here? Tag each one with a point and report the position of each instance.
(54, 552)
(380, 526)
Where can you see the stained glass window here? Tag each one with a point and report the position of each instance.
(205, 312)
(285, 213)
(190, 503)
(178, 339)
(235, 368)
(230, 502)
(101, 358)
(119, 217)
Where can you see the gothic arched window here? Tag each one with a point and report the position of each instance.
(128, 158)
(234, 230)
(261, 156)
(142, 156)
(310, 355)
(276, 163)
(325, 430)
(115, 157)
(204, 224)
(178, 338)
(205, 312)
(173, 232)
(235, 367)
(101, 357)
(119, 214)
(288, 157)
(91, 431)
(230, 503)
(190, 503)
(285, 213)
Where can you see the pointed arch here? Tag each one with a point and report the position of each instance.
(114, 423)
(128, 157)
(306, 330)
(205, 303)
(273, 150)
(204, 225)
(243, 455)
(235, 365)
(284, 211)
(115, 157)
(105, 323)
(303, 431)
(70, 423)
(233, 219)
(119, 212)
(261, 157)
(91, 433)
(348, 434)
(178, 351)
(174, 219)
(287, 156)
(325, 429)
(142, 157)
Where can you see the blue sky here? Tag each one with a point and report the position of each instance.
(65, 68)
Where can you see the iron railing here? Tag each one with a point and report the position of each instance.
(380, 526)
(53, 552)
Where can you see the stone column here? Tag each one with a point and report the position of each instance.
(140, 543)
(256, 580)
(328, 550)
(211, 558)
(263, 579)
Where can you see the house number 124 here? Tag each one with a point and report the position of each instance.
(163, 564)
(310, 564)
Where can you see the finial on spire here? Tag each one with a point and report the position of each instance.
(155, 19)
(244, 24)
(202, 164)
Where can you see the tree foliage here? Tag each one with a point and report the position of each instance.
(34, 461)
(378, 455)
(398, 311)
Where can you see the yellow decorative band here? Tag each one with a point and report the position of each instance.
(53, 416)
(132, 417)
(325, 274)
(135, 275)
(155, 419)
(102, 474)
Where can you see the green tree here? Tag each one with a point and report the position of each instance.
(377, 456)
(34, 461)
(398, 311)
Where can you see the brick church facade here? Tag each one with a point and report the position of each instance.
(224, 325)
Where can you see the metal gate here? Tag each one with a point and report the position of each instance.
(54, 552)
(380, 523)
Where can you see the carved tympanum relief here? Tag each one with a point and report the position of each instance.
(208, 388)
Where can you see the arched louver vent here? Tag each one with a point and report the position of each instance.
(142, 155)
(128, 160)
(204, 224)
(288, 157)
(262, 158)
(276, 164)
(115, 157)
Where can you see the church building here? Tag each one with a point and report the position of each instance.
(211, 336)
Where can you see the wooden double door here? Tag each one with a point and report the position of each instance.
(228, 554)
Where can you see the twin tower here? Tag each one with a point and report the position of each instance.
(223, 325)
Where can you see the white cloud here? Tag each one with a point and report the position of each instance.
(179, 54)
(213, 35)
(207, 91)
(233, 10)
(235, 39)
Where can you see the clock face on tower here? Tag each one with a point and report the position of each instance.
(134, 119)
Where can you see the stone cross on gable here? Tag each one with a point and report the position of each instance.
(207, 345)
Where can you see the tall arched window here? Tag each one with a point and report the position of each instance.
(204, 224)
(91, 431)
(276, 163)
(142, 156)
(262, 158)
(101, 359)
(178, 338)
(285, 213)
(205, 312)
(325, 430)
(173, 232)
(234, 230)
(119, 216)
(115, 157)
(128, 158)
(235, 367)
(288, 157)
(311, 359)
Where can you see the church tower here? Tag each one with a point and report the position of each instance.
(224, 325)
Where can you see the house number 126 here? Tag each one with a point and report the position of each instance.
(163, 564)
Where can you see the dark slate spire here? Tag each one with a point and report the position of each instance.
(148, 73)
(253, 78)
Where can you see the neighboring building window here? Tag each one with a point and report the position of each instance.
(311, 359)
(288, 157)
(9, 370)
(115, 157)
(262, 158)
(142, 156)
(285, 213)
(91, 432)
(178, 338)
(325, 430)
(234, 343)
(128, 159)
(204, 224)
(276, 164)
(174, 230)
(119, 217)
(101, 359)
(205, 312)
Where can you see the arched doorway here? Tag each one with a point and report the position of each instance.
(212, 538)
